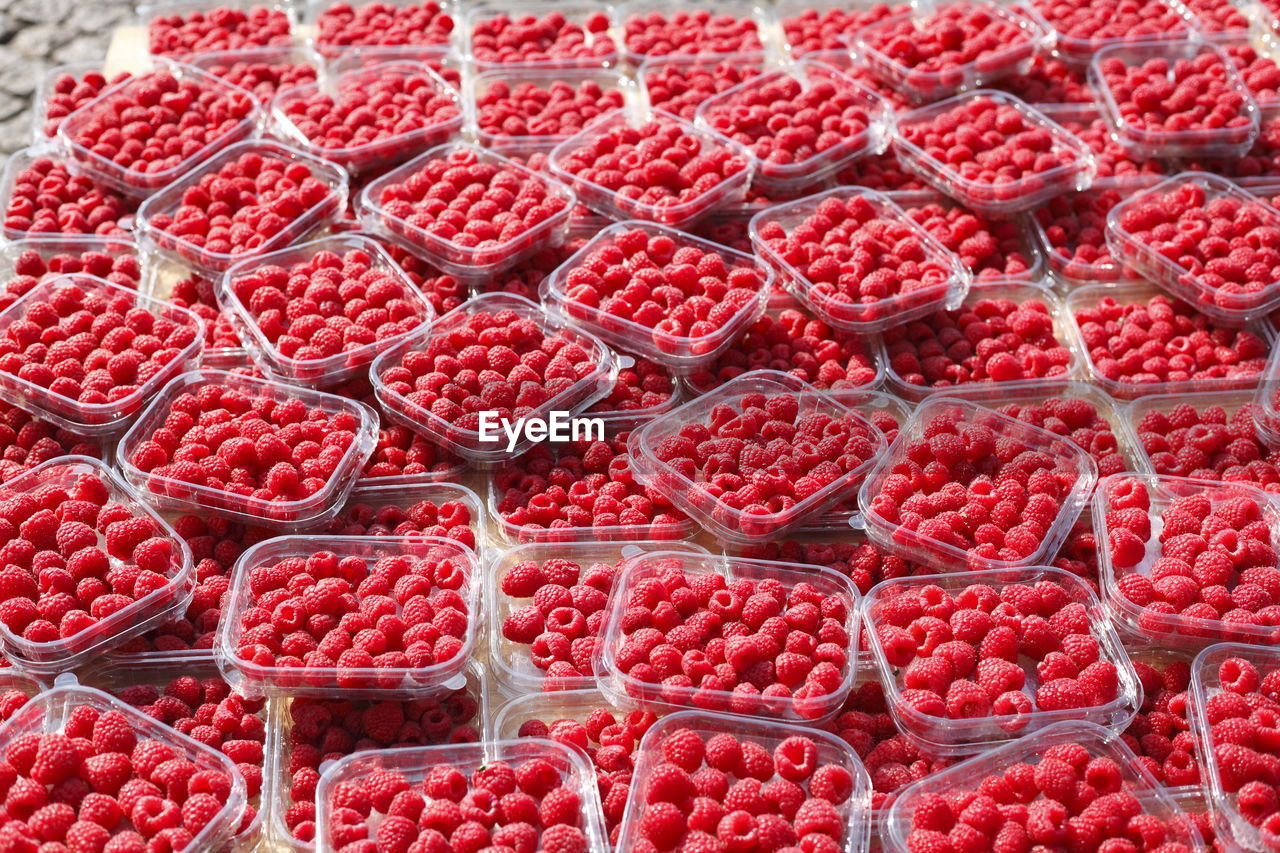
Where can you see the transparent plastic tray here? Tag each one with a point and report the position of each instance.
(468, 263)
(547, 707)
(220, 63)
(1235, 309)
(678, 352)
(376, 496)
(747, 10)
(856, 15)
(45, 90)
(966, 736)
(996, 199)
(574, 12)
(175, 495)
(1206, 684)
(1066, 270)
(333, 369)
(149, 13)
(961, 779)
(447, 63)
(115, 677)
(911, 545)
(715, 515)
(672, 77)
(50, 246)
(854, 812)
(132, 181)
(364, 158)
(169, 200)
(20, 161)
(391, 683)
(1193, 142)
(623, 688)
(1174, 629)
(472, 444)
(1018, 293)
(159, 279)
(135, 619)
(614, 205)
(50, 711)
(861, 317)
(1011, 59)
(618, 420)
(1231, 403)
(509, 664)
(801, 175)
(96, 420)
(1089, 296)
(1079, 51)
(1108, 154)
(479, 85)
(314, 10)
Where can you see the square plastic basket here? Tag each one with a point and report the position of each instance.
(601, 46)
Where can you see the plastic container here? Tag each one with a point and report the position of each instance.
(1155, 799)
(854, 812)
(1139, 292)
(133, 620)
(681, 99)
(574, 12)
(510, 665)
(1079, 51)
(1011, 59)
(855, 15)
(376, 495)
(169, 200)
(40, 102)
(1018, 293)
(95, 420)
(471, 264)
(1230, 401)
(547, 707)
(911, 545)
(614, 205)
(114, 677)
(313, 10)
(1234, 309)
(50, 711)
(220, 62)
(1194, 142)
(678, 352)
(860, 317)
(333, 369)
(623, 688)
(801, 175)
(759, 13)
(1174, 628)
(999, 199)
(717, 517)
(479, 85)
(363, 158)
(389, 683)
(159, 279)
(1108, 153)
(415, 764)
(20, 161)
(177, 496)
(473, 444)
(621, 420)
(148, 13)
(142, 184)
(1068, 271)
(277, 774)
(49, 246)
(447, 63)
(956, 737)
(1206, 684)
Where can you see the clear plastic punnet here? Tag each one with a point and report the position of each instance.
(139, 183)
(118, 206)
(548, 707)
(759, 14)
(371, 502)
(470, 263)
(1234, 404)
(717, 114)
(247, 63)
(511, 663)
(95, 419)
(1206, 686)
(869, 46)
(328, 370)
(999, 199)
(854, 813)
(573, 772)
(149, 13)
(600, 45)
(52, 711)
(622, 687)
(1266, 400)
(443, 29)
(45, 658)
(1089, 296)
(1079, 49)
(704, 502)
(1147, 258)
(1192, 142)
(40, 121)
(1154, 624)
(255, 678)
(678, 352)
(849, 313)
(1075, 223)
(169, 201)
(512, 76)
(223, 347)
(944, 735)
(360, 158)
(616, 205)
(68, 247)
(1100, 742)
(174, 495)
(1067, 459)
(470, 443)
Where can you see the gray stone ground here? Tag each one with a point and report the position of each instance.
(36, 35)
